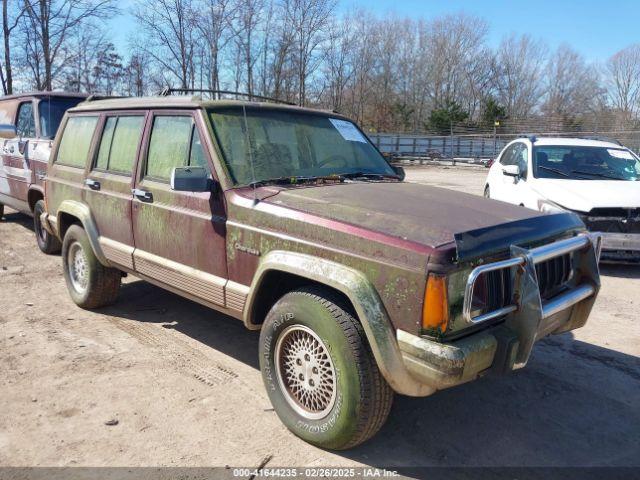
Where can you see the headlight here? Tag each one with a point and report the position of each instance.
(547, 206)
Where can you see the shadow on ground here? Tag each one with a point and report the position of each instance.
(574, 404)
(12, 216)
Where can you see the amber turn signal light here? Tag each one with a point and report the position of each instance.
(435, 310)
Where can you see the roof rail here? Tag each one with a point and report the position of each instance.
(168, 91)
(94, 97)
(601, 138)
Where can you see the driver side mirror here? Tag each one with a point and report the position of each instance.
(191, 179)
(399, 171)
(8, 131)
(511, 171)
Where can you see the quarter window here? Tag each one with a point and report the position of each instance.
(119, 143)
(26, 125)
(76, 141)
(175, 142)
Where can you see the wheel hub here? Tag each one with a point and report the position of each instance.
(305, 372)
(78, 268)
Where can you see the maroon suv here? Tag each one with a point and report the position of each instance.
(290, 220)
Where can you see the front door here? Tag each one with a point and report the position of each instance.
(110, 181)
(179, 236)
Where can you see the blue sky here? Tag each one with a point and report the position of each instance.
(596, 29)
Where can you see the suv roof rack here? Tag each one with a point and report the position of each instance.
(168, 91)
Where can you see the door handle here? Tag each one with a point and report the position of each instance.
(143, 195)
(92, 184)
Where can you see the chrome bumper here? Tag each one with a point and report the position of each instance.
(527, 319)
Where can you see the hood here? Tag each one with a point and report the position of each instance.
(585, 195)
(418, 213)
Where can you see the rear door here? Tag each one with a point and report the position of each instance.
(109, 183)
(179, 236)
(16, 167)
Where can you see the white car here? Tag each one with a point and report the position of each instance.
(598, 180)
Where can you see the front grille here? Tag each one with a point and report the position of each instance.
(613, 220)
(493, 291)
(553, 275)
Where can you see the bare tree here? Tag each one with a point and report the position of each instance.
(48, 26)
(573, 87)
(9, 23)
(309, 20)
(248, 18)
(624, 79)
(167, 28)
(518, 67)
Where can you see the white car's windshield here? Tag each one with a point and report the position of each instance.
(585, 163)
(272, 144)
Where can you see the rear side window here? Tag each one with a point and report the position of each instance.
(76, 141)
(175, 142)
(119, 143)
(26, 125)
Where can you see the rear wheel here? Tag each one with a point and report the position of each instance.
(47, 242)
(90, 284)
(487, 192)
(319, 372)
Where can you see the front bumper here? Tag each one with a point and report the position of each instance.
(620, 248)
(530, 318)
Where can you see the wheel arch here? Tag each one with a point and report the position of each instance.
(73, 212)
(35, 193)
(352, 286)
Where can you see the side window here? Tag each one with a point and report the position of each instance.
(119, 144)
(175, 142)
(76, 141)
(506, 158)
(26, 125)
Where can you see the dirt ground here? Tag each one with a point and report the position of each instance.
(182, 386)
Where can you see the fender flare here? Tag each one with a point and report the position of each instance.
(365, 299)
(82, 212)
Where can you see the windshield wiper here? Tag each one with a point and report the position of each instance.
(380, 176)
(291, 180)
(554, 170)
(595, 174)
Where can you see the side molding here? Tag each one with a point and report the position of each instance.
(82, 212)
(366, 301)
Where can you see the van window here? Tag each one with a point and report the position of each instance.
(175, 142)
(26, 125)
(119, 143)
(76, 141)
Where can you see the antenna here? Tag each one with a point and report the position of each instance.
(250, 147)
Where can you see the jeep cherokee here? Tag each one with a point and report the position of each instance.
(290, 220)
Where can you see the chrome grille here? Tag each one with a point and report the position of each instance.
(553, 275)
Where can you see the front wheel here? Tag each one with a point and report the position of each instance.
(90, 284)
(46, 242)
(319, 372)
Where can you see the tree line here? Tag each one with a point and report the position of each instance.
(388, 73)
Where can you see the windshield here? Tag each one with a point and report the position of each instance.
(51, 111)
(585, 163)
(292, 144)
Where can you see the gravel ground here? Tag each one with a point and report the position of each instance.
(157, 380)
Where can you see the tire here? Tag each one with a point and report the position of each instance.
(487, 192)
(90, 284)
(356, 404)
(47, 242)
(1, 211)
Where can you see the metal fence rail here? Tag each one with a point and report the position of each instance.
(479, 147)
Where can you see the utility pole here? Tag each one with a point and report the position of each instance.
(496, 124)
